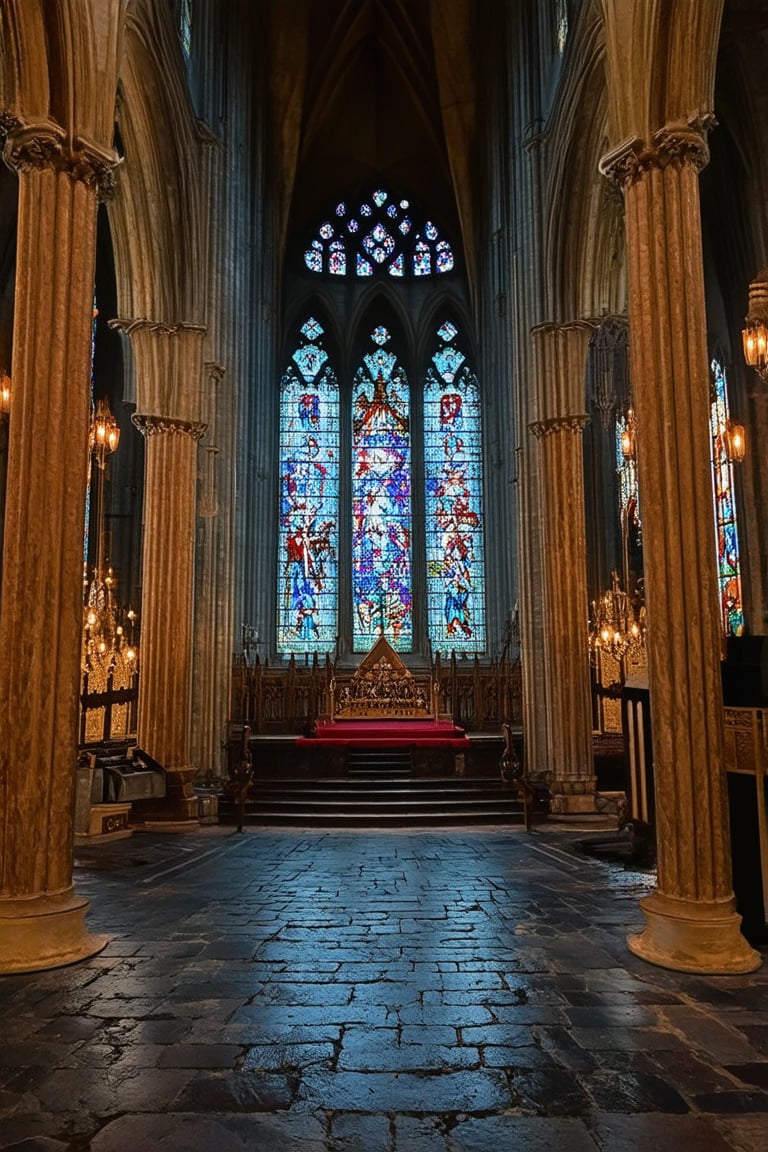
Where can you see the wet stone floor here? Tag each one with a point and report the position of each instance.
(459, 991)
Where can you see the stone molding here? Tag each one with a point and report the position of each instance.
(542, 428)
(131, 326)
(674, 145)
(167, 426)
(46, 145)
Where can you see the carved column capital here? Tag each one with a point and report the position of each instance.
(167, 426)
(215, 371)
(542, 428)
(674, 145)
(45, 145)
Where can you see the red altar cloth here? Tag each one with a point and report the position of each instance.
(387, 733)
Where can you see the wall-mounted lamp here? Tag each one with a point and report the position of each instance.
(5, 394)
(629, 437)
(734, 441)
(755, 334)
(105, 433)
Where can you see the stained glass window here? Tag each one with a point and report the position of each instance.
(381, 501)
(381, 236)
(185, 26)
(728, 566)
(378, 232)
(309, 497)
(561, 24)
(626, 470)
(454, 523)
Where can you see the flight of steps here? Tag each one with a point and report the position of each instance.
(378, 790)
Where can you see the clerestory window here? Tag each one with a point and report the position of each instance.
(378, 232)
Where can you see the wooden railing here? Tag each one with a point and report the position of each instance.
(289, 698)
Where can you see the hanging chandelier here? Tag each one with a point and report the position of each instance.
(109, 641)
(617, 626)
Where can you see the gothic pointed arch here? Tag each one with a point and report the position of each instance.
(158, 218)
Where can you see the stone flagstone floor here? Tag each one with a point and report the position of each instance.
(456, 991)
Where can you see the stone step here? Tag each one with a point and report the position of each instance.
(301, 817)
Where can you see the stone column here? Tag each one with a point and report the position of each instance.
(212, 681)
(561, 357)
(691, 920)
(169, 386)
(41, 618)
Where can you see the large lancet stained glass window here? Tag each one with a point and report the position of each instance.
(350, 573)
(381, 501)
(728, 566)
(454, 524)
(309, 498)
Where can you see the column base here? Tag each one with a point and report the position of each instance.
(45, 932)
(693, 936)
(573, 797)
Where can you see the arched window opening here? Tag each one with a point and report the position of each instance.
(454, 522)
(309, 498)
(381, 500)
(728, 563)
(381, 451)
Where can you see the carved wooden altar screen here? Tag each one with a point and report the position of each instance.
(289, 697)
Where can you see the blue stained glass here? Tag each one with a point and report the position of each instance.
(337, 258)
(388, 239)
(448, 361)
(309, 360)
(313, 258)
(380, 336)
(728, 564)
(444, 257)
(447, 331)
(313, 329)
(309, 494)
(453, 513)
(379, 244)
(380, 363)
(422, 259)
(381, 505)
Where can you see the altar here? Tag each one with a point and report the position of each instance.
(384, 705)
(387, 733)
